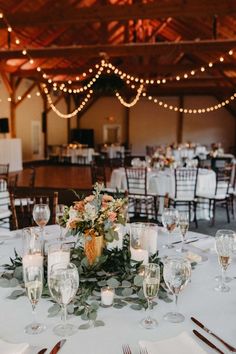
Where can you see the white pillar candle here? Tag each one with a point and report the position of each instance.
(58, 257)
(139, 255)
(151, 235)
(32, 260)
(107, 296)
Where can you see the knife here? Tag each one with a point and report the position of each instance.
(205, 340)
(57, 346)
(189, 241)
(230, 347)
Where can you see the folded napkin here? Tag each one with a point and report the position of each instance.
(193, 257)
(184, 342)
(12, 348)
(205, 245)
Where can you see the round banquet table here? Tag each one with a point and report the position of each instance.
(216, 310)
(162, 182)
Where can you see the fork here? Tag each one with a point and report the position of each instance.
(126, 349)
(143, 351)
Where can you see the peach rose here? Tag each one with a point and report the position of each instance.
(79, 205)
(112, 216)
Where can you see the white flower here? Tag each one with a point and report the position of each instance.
(72, 213)
(90, 212)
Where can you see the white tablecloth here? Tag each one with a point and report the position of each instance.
(216, 310)
(113, 150)
(74, 154)
(11, 152)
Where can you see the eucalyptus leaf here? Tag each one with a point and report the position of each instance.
(138, 280)
(84, 316)
(99, 323)
(70, 309)
(15, 294)
(141, 294)
(92, 315)
(85, 326)
(13, 283)
(18, 273)
(126, 284)
(136, 307)
(94, 305)
(102, 283)
(4, 283)
(127, 292)
(119, 306)
(113, 283)
(54, 310)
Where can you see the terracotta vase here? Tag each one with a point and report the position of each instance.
(93, 246)
(99, 244)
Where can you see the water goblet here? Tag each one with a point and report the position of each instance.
(224, 243)
(60, 210)
(151, 283)
(170, 221)
(41, 216)
(183, 225)
(63, 285)
(33, 278)
(176, 273)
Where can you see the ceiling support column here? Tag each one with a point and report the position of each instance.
(180, 122)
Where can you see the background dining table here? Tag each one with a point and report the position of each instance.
(199, 299)
(161, 182)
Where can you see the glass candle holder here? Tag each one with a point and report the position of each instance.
(107, 296)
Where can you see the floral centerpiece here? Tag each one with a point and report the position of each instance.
(94, 219)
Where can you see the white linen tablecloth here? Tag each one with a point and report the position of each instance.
(216, 310)
(162, 182)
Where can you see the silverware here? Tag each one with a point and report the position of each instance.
(57, 346)
(126, 349)
(205, 340)
(230, 347)
(189, 241)
(42, 351)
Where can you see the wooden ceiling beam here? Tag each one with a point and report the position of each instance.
(152, 10)
(131, 49)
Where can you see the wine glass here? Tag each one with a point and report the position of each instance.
(151, 284)
(60, 210)
(33, 278)
(183, 225)
(224, 243)
(63, 285)
(169, 220)
(176, 273)
(41, 216)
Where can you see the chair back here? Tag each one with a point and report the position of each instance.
(136, 179)
(5, 212)
(22, 209)
(223, 179)
(98, 174)
(186, 182)
(4, 171)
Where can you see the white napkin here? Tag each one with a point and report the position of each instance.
(184, 342)
(12, 348)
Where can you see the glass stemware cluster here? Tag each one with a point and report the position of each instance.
(41, 216)
(170, 217)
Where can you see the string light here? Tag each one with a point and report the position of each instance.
(69, 115)
(135, 100)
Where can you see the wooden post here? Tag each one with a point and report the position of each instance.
(68, 104)
(13, 107)
(45, 125)
(180, 122)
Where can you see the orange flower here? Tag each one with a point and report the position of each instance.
(112, 216)
(79, 205)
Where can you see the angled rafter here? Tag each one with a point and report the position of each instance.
(152, 10)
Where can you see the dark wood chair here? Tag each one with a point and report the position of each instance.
(5, 212)
(4, 171)
(141, 204)
(221, 195)
(22, 208)
(98, 174)
(185, 190)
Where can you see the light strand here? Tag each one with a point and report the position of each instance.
(135, 100)
(72, 114)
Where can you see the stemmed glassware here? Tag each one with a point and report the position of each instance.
(224, 243)
(183, 225)
(176, 273)
(33, 278)
(170, 221)
(151, 283)
(41, 216)
(63, 285)
(60, 209)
